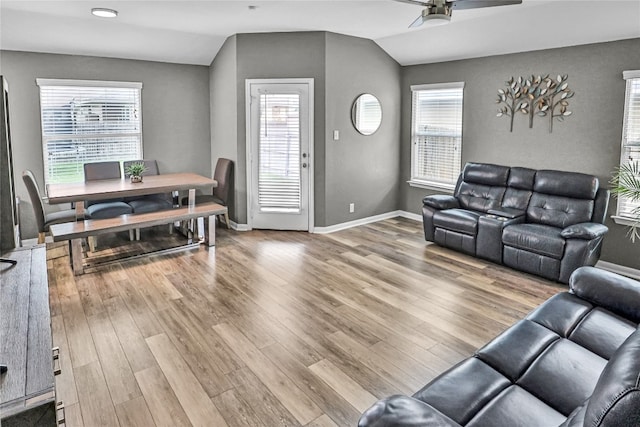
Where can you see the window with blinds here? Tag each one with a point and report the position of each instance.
(279, 181)
(436, 134)
(85, 122)
(630, 153)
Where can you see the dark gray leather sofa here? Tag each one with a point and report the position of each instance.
(543, 222)
(574, 361)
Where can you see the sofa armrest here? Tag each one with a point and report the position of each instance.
(614, 292)
(584, 230)
(404, 411)
(441, 201)
(507, 212)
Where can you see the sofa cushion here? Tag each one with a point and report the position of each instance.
(566, 184)
(516, 199)
(479, 197)
(516, 407)
(487, 174)
(602, 332)
(537, 238)
(512, 352)
(564, 375)
(460, 220)
(616, 398)
(561, 313)
(462, 391)
(521, 178)
(558, 211)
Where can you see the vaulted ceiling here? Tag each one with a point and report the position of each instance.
(192, 32)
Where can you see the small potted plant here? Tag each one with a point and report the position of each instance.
(626, 183)
(135, 171)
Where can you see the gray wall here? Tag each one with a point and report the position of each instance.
(224, 110)
(588, 141)
(356, 169)
(360, 169)
(175, 111)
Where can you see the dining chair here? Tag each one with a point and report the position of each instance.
(100, 209)
(222, 174)
(44, 219)
(151, 202)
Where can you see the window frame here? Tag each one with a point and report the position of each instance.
(629, 77)
(421, 182)
(93, 84)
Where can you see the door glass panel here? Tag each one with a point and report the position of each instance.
(279, 186)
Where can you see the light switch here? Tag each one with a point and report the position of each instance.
(336, 135)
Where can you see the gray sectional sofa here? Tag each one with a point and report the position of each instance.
(544, 222)
(572, 362)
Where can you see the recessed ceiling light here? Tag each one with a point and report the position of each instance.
(104, 13)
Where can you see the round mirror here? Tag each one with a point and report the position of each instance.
(366, 114)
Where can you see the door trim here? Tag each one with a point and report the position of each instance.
(247, 90)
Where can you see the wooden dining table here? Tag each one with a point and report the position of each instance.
(106, 189)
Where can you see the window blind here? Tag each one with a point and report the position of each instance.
(279, 185)
(436, 133)
(630, 137)
(88, 121)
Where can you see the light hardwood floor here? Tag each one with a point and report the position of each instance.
(273, 328)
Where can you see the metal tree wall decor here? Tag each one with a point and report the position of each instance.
(535, 96)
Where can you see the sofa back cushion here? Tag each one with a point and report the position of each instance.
(519, 188)
(561, 199)
(482, 187)
(558, 211)
(616, 398)
(567, 184)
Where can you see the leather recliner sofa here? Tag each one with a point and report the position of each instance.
(544, 222)
(573, 362)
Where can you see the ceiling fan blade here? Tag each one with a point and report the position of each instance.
(415, 2)
(417, 22)
(475, 4)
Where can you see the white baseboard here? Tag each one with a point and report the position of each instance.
(345, 225)
(239, 227)
(410, 215)
(619, 269)
(363, 221)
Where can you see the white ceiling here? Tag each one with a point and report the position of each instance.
(191, 32)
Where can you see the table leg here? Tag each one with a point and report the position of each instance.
(80, 211)
(210, 230)
(76, 257)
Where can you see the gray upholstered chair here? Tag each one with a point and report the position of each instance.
(100, 209)
(222, 174)
(151, 202)
(43, 219)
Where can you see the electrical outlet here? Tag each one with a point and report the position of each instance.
(336, 135)
(352, 207)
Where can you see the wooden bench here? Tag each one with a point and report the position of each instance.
(76, 231)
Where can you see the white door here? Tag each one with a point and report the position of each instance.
(279, 171)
